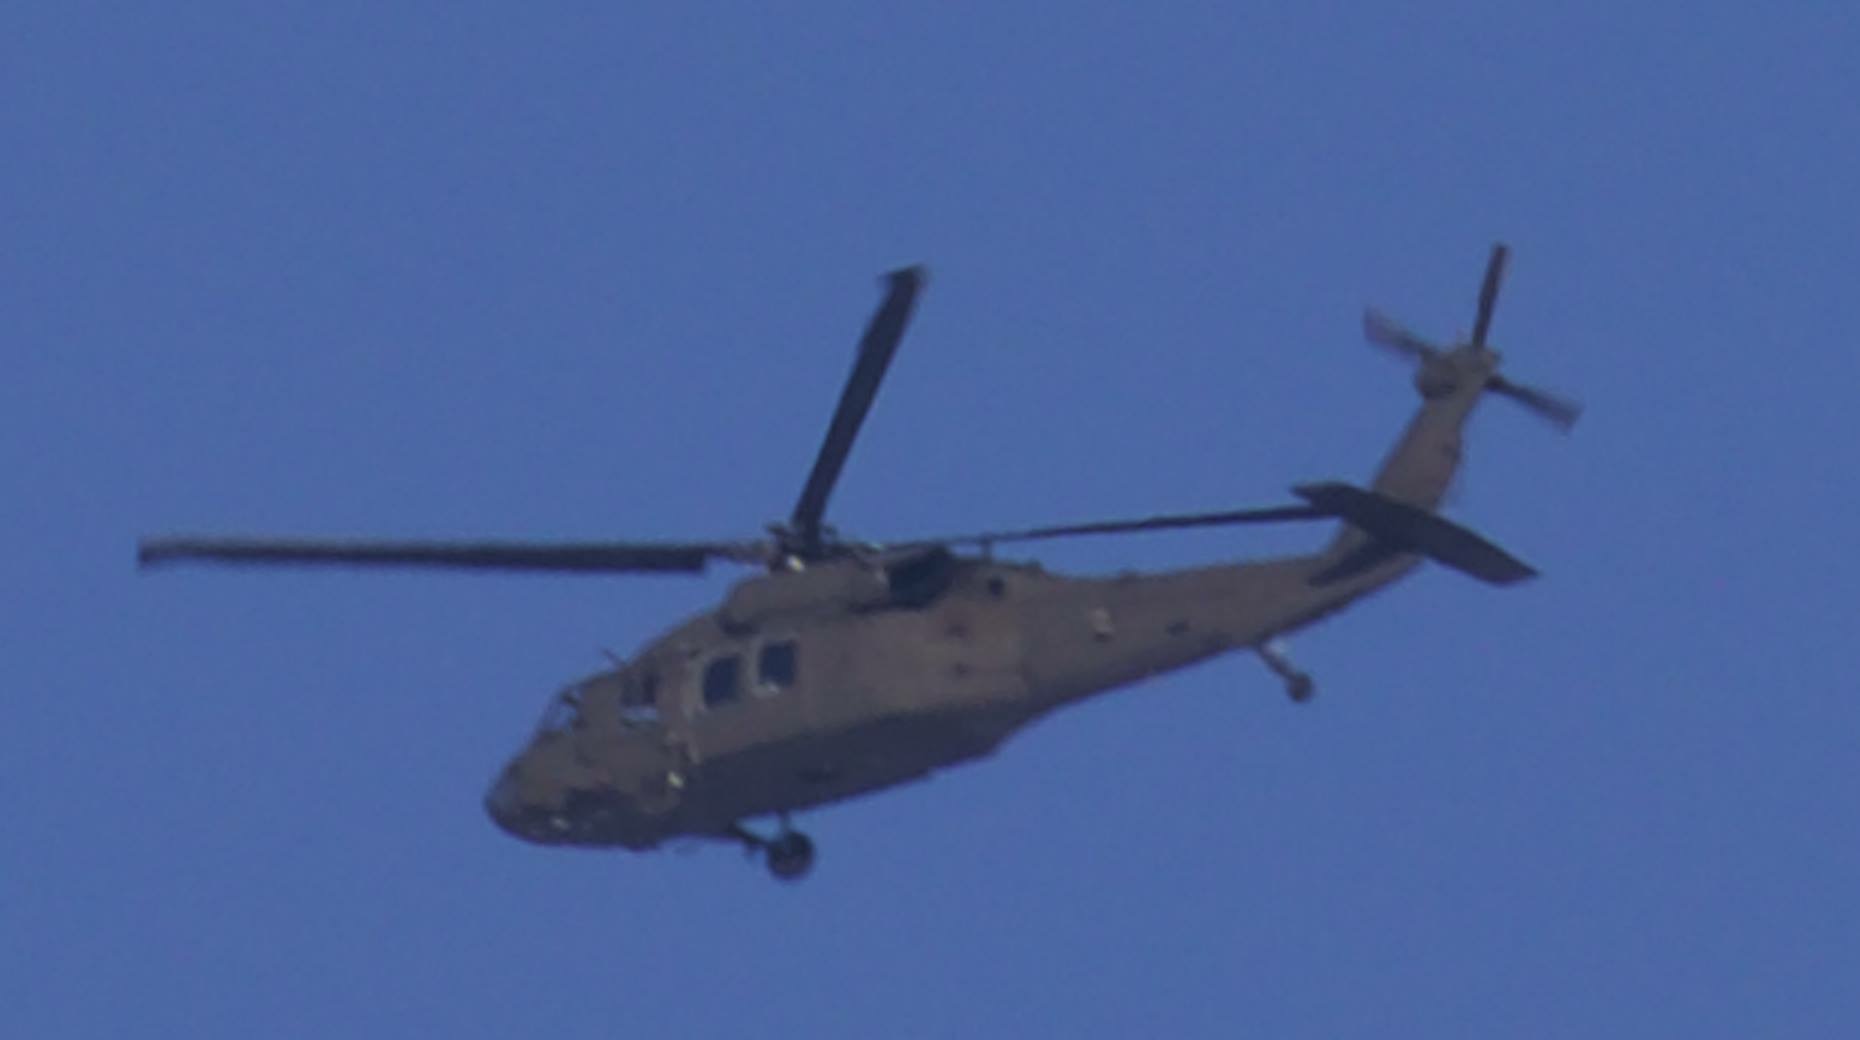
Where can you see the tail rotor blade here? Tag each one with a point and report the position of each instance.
(1383, 331)
(1488, 292)
(1559, 411)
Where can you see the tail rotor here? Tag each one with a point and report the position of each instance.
(1390, 335)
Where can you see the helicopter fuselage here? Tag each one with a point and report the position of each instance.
(719, 720)
(848, 668)
(854, 675)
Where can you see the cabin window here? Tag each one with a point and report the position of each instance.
(722, 681)
(776, 667)
(639, 701)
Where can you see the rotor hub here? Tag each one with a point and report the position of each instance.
(1442, 374)
(1437, 377)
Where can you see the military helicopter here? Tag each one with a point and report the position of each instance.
(847, 667)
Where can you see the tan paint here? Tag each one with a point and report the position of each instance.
(885, 695)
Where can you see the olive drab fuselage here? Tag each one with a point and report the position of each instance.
(807, 687)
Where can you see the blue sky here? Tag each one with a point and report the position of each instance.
(457, 269)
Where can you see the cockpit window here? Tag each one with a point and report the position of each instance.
(639, 700)
(563, 711)
(722, 681)
(775, 667)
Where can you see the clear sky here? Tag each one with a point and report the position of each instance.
(440, 269)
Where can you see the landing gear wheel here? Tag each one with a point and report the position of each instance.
(1300, 687)
(790, 855)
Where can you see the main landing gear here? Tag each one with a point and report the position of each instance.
(1299, 686)
(789, 854)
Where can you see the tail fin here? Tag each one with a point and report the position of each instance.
(1397, 516)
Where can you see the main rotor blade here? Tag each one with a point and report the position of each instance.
(1558, 410)
(876, 347)
(1488, 292)
(1380, 329)
(1168, 522)
(587, 557)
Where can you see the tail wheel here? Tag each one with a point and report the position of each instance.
(790, 856)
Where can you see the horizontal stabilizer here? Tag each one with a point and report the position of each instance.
(1409, 528)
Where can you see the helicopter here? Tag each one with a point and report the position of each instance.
(845, 667)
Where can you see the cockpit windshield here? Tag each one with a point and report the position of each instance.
(639, 698)
(563, 711)
(632, 693)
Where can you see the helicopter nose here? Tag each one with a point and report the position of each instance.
(505, 805)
